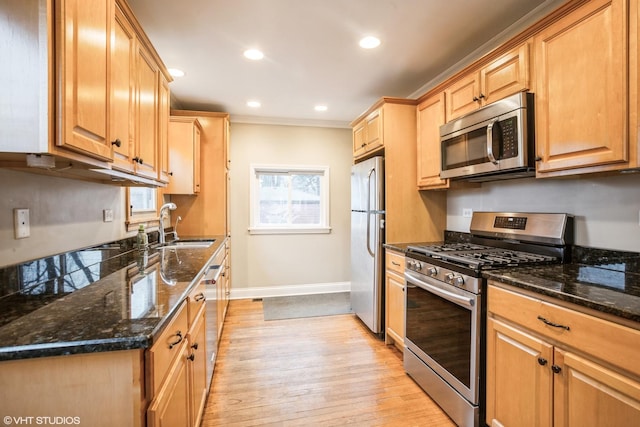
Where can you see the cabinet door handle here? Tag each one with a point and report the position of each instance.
(476, 99)
(180, 338)
(555, 325)
(395, 263)
(195, 346)
(482, 96)
(191, 357)
(199, 297)
(117, 143)
(556, 369)
(542, 361)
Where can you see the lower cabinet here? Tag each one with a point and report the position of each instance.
(552, 366)
(394, 299)
(178, 364)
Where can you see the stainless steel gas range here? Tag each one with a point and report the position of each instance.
(446, 306)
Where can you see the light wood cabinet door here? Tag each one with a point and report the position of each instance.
(505, 76)
(394, 299)
(431, 114)
(519, 378)
(359, 143)
(197, 365)
(83, 65)
(582, 93)
(462, 96)
(146, 157)
(164, 102)
(221, 290)
(122, 103)
(171, 408)
(590, 395)
(184, 155)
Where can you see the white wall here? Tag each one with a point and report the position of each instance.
(606, 209)
(65, 214)
(277, 261)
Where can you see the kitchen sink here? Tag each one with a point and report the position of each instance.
(187, 244)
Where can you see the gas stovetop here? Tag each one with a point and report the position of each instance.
(478, 257)
(502, 239)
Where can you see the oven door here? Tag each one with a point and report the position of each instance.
(443, 329)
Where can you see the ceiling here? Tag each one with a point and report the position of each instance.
(312, 54)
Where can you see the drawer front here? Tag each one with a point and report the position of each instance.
(395, 262)
(167, 347)
(196, 302)
(608, 341)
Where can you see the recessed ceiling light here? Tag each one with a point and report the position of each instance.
(175, 72)
(369, 42)
(320, 108)
(253, 104)
(253, 54)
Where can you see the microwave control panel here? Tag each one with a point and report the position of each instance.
(509, 137)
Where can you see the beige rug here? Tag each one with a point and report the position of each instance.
(291, 307)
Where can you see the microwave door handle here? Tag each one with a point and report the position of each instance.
(490, 155)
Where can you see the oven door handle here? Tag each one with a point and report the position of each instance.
(443, 293)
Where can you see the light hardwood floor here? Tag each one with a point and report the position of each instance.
(319, 371)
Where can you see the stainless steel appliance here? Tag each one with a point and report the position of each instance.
(446, 306)
(367, 237)
(493, 142)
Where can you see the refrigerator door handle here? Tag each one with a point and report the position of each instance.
(371, 172)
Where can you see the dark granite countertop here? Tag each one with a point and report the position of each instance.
(603, 280)
(113, 299)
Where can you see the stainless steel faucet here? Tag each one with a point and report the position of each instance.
(163, 212)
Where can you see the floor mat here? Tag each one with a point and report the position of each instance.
(291, 307)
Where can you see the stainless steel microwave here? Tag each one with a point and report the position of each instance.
(493, 142)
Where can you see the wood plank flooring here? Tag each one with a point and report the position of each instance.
(319, 371)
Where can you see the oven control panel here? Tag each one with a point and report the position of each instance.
(429, 272)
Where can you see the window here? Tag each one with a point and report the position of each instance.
(289, 199)
(141, 207)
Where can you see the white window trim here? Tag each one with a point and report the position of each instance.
(254, 212)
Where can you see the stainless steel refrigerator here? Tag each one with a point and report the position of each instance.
(367, 237)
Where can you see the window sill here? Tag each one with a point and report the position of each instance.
(290, 230)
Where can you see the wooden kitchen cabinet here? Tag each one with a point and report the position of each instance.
(503, 76)
(541, 375)
(164, 105)
(146, 144)
(83, 66)
(368, 134)
(197, 366)
(184, 155)
(394, 299)
(208, 214)
(431, 115)
(584, 95)
(123, 92)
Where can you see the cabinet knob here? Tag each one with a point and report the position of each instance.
(542, 361)
(170, 173)
(476, 99)
(556, 369)
(538, 159)
(195, 346)
(482, 96)
(191, 357)
(117, 143)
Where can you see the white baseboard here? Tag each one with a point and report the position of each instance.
(279, 291)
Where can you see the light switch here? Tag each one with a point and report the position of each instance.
(21, 223)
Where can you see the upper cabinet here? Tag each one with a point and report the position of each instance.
(504, 76)
(184, 155)
(586, 102)
(368, 134)
(164, 104)
(83, 65)
(94, 98)
(431, 114)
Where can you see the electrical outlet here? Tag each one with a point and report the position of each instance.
(107, 215)
(467, 213)
(21, 223)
